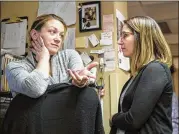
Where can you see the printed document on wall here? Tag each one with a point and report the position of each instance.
(66, 10)
(123, 62)
(69, 42)
(109, 60)
(14, 37)
(108, 23)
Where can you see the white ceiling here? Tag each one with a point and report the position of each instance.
(161, 11)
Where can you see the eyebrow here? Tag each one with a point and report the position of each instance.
(56, 29)
(126, 32)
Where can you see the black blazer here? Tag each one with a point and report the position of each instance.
(147, 104)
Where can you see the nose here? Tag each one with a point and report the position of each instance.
(57, 39)
(120, 42)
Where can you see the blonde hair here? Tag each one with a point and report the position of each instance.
(41, 20)
(150, 43)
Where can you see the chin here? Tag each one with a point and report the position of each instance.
(53, 51)
(126, 55)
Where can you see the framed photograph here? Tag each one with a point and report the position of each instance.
(90, 16)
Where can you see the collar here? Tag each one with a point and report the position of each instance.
(32, 60)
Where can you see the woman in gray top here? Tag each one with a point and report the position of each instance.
(46, 64)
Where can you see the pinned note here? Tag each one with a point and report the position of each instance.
(69, 42)
(12, 37)
(106, 39)
(64, 9)
(106, 35)
(105, 42)
(94, 40)
(85, 57)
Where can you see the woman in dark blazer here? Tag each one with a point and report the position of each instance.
(145, 103)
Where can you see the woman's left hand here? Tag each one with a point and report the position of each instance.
(80, 77)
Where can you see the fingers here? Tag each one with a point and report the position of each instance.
(36, 47)
(91, 65)
(38, 44)
(102, 92)
(40, 40)
(33, 50)
(90, 75)
(77, 79)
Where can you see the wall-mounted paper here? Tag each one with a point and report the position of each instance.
(14, 37)
(109, 60)
(106, 35)
(123, 62)
(105, 42)
(106, 39)
(94, 40)
(108, 23)
(66, 10)
(97, 51)
(85, 57)
(69, 42)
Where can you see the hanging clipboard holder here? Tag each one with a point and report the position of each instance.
(10, 21)
(17, 20)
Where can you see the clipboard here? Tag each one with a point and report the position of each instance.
(14, 19)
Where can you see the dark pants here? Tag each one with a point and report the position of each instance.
(61, 110)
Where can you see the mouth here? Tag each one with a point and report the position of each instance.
(123, 49)
(55, 45)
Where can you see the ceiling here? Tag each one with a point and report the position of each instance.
(163, 12)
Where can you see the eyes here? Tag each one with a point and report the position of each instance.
(54, 32)
(125, 34)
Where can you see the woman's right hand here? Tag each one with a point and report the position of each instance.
(39, 49)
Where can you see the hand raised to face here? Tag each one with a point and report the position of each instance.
(39, 49)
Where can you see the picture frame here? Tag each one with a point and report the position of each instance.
(90, 16)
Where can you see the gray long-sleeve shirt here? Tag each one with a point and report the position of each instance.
(23, 77)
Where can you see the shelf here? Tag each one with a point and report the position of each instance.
(6, 94)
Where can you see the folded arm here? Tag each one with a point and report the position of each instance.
(32, 84)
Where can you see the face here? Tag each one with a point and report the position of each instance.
(126, 41)
(52, 34)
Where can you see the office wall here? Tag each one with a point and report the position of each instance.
(117, 77)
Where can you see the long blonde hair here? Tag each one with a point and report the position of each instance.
(150, 43)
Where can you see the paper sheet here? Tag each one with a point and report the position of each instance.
(3, 27)
(108, 23)
(85, 57)
(106, 35)
(69, 42)
(123, 62)
(66, 10)
(106, 39)
(97, 51)
(94, 40)
(12, 35)
(105, 42)
(109, 57)
(14, 41)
